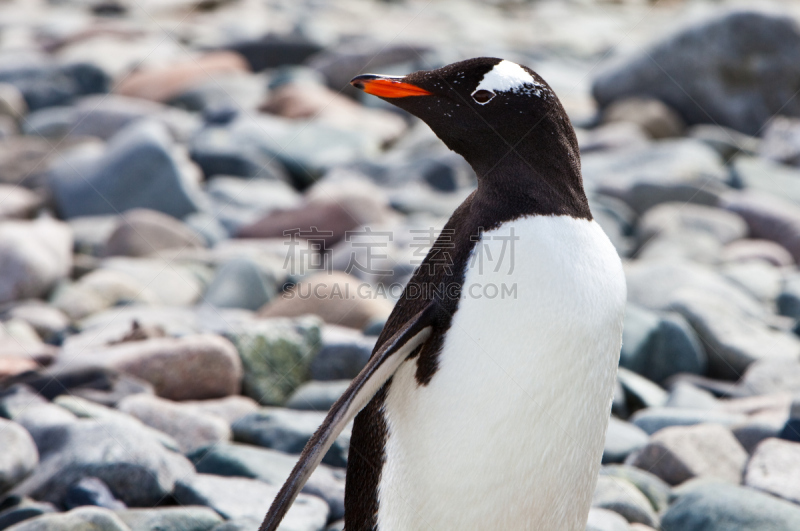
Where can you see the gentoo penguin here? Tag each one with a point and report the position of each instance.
(479, 411)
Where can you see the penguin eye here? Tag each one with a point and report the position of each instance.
(483, 96)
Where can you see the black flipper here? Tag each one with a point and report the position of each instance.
(381, 366)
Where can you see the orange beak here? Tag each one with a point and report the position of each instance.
(387, 87)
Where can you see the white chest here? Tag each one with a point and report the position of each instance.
(509, 432)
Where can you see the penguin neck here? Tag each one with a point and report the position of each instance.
(537, 181)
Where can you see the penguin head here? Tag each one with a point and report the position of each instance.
(486, 109)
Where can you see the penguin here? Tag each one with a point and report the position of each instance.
(486, 400)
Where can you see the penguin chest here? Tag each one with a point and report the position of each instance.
(508, 434)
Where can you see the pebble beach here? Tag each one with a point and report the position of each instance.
(204, 227)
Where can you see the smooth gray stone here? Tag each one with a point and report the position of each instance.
(223, 98)
(751, 434)
(288, 431)
(207, 226)
(50, 122)
(679, 453)
(236, 498)
(24, 511)
(658, 285)
(138, 169)
(775, 468)
(50, 323)
(719, 506)
(769, 177)
(239, 524)
(82, 518)
(45, 83)
(613, 223)
(91, 491)
(639, 391)
(606, 520)
(682, 170)
(610, 136)
(781, 141)
(682, 219)
(622, 439)
(444, 172)
(271, 467)
(135, 465)
(307, 150)
(725, 141)
(240, 283)
(141, 232)
(287, 75)
(788, 300)
(271, 51)
(770, 217)
(36, 256)
(656, 490)
(734, 339)
(687, 396)
(343, 354)
(317, 396)
(651, 115)
(697, 247)
(622, 496)
(658, 346)
(734, 70)
(44, 423)
(772, 376)
(341, 62)
(758, 277)
(231, 149)
(190, 427)
(238, 202)
(619, 402)
(189, 518)
(655, 418)
(91, 233)
(17, 398)
(104, 116)
(97, 384)
(18, 457)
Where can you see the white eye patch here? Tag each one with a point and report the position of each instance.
(508, 77)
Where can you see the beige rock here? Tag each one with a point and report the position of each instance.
(775, 468)
(12, 102)
(187, 368)
(101, 289)
(230, 408)
(680, 453)
(652, 115)
(751, 249)
(17, 202)
(190, 427)
(682, 218)
(325, 216)
(335, 297)
(141, 232)
(34, 255)
(161, 84)
(301, 101)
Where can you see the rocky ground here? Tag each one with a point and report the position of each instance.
(160, 365)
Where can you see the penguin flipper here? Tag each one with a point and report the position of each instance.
(381, 366)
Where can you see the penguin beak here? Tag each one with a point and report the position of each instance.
(387, 86)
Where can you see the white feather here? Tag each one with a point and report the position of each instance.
(509, 432)
(505, 77)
